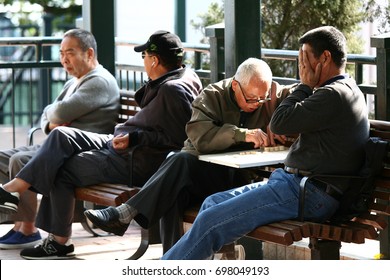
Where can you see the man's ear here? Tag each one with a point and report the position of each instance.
(234, 85)
(156, 60)
(91, 53)
(327, 57)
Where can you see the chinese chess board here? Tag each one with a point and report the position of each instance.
(250, 158)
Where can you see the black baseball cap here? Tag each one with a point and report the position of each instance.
(162, 42)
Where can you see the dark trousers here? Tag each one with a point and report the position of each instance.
(69, 158)
(181, 181)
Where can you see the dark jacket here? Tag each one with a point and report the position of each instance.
(165, 109)
(333, 125)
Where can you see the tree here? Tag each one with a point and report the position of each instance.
(214, 15)
(380, 13)
(63, 12)
(283, 22)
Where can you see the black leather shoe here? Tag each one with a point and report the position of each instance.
(107, 220)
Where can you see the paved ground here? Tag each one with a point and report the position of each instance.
(88, 247)
(113, 247)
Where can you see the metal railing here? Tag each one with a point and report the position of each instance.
(29, 84)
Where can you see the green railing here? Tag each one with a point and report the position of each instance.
(32, 81)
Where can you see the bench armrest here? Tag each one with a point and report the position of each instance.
(30, 135)
(340, 183)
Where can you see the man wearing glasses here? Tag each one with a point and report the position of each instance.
(72, 158)
(232, 114)
(329, 112)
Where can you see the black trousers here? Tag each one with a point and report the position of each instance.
(181, 181)
(70, 158)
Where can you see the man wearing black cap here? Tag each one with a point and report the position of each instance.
(73, 158)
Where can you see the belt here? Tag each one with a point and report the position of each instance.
(296, 171)
(325, 187)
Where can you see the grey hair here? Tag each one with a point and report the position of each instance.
(250, 68)
(85, 38)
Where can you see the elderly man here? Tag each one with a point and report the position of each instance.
(89, 101)
(72, 157)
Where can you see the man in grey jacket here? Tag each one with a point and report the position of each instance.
(74, 158)
(89, 101)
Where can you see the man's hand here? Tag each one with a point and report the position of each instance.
(54, 125)
(258, 137)
(120, 142)
(307, 74)
(272, 137)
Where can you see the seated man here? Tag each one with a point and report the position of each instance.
(73, 108)
(232, 114)
(73, 158)
(329, 112)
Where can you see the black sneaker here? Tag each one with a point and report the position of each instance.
(8, 202)
(49, 250)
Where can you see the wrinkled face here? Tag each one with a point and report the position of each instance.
(74, 60)
(251, 96)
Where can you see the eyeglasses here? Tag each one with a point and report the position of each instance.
(253, 100)
(143, 54)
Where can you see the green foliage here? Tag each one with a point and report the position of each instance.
(381, 13)
(48, 5)
(284, 21)
(214, 15)
(63, 13)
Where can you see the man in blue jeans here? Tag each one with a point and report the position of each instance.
(329, 112)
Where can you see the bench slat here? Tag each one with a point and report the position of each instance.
(303, 226)
(272, 234)
(294, 230)
(369, 231)
(97, 197)
(335, 232)
(380, 208)
(376, 221)
(382, 183)
(381, 195)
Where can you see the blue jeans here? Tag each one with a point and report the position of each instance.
(226, 216)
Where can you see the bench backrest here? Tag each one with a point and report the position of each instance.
(128, 105)
(380, 202)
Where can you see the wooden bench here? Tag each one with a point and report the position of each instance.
(325, 238)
